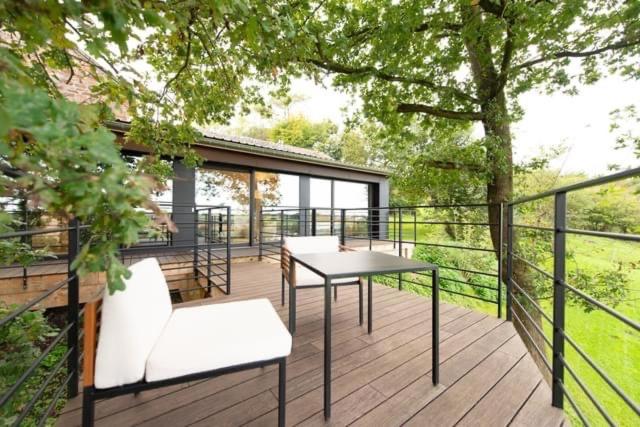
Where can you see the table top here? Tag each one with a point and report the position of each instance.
(335, 265)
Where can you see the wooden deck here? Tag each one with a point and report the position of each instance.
(487, 377)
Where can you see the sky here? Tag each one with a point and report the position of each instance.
(580, 123)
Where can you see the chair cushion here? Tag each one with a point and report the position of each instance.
(314, 244)
(215, 336)
(131, 322)
(306, 277)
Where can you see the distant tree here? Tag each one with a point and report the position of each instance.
(301, 132)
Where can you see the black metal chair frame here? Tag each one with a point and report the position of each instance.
(288, 269)
(91, 393)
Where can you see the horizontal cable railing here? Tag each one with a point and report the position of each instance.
(401, 228)
(588, 385)
(195, 259)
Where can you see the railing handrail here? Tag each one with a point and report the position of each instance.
(594, 182)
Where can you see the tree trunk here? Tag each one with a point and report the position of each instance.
(500, 190)
(495, 120)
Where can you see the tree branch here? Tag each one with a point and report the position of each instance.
(621, 44)
(439, 112)
(345, 69)
(182, 68)
(451, 165)
(490, 7)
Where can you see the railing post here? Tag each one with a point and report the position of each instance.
(370, 228)
(343, 217)
(260, 236)
(509, 260)
(559, 252)
(415, 226)
(400, 245)
(281, 227)
(73, 306)
(196, 260)
(228, 250)
(394, 227)
(500, 243)
(314, 223)
(209, 238)
(331, 224)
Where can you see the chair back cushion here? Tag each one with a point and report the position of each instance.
(131, 323)
(314, 244)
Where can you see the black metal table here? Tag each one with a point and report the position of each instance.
(357, 264)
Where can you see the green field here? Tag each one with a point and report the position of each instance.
(612, 345)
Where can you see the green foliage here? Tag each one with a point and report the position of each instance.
(21, 342)
(300, 132)
(58, 155)
(84, 176)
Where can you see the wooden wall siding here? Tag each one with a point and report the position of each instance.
(378, 380)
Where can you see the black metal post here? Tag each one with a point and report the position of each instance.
(73, 307)
(435, 327)
(343, 217)
(400, 245)
(282, 390)
(228, 250)
(252, 205)
(196, 260)
(370, 229)
(394, 227)
(260, 236)
(25, 240)
(559, 252)
(209, 237)
(314, 223)
(281, 227)
(327, 348)
(369, 304)
(500, 243)
(331, 223)
(415, 226)
(509, 260)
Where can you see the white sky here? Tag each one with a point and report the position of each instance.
(580, 123)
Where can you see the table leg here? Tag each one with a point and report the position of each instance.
(435, 326)
(369, 304)
(327, 348)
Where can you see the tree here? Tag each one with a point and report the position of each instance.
(301, 132)
(465, 61)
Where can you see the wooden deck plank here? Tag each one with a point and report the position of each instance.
(378, 379)
(511, 397)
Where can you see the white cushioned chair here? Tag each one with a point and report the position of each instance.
(300, 277)
(143, 344)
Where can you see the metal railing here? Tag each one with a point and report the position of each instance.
(213, 230)
(68, 335)
(520, 301)
(400, 227)
(206, 252)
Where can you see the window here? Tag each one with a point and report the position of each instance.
(320, 193)
(216, 187)
(350, 195)
(276, 189)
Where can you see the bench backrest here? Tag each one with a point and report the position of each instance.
(131, 322)
(313, 244)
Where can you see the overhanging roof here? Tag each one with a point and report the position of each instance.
(264, 148)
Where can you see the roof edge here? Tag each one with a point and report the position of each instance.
(207, 141)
